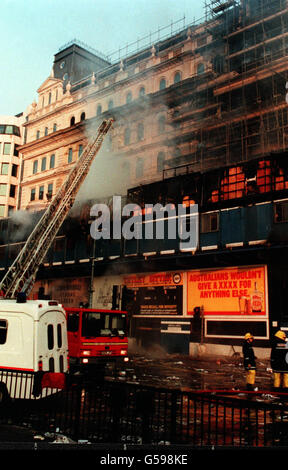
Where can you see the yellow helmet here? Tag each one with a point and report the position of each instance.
(248, 336)
(280, 334)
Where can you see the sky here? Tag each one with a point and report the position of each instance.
(33, 31)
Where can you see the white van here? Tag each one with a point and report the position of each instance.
(33, 342)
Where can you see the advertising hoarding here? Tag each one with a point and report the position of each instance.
(156, 294)
(228, 291)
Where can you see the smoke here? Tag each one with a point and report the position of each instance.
(152, 350)
(22, 223)
(107, 177)
(113, 170)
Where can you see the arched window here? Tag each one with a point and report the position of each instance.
(142, 92)
(46, 131)
(139, 167)
(200, 69)
(54, 127)
(110, 105)
(160, 161)
(127, 136)
(83, 117)
(140, 131)
(99, 110)
(161, 124)
(177, 77)
(49, 98)
(38, 135)
(72, 121)
(162, 85)
(129, 97)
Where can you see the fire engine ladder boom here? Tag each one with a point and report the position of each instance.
(21, 275)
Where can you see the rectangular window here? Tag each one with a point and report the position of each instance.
(70, 155)
(41, 192)
(32, 196)
(43, 164)
(73, 322)
(14, 170)
(3, 189)
(139, 167)
(52, 161)
(210, 222)
(281, 212)
(4, 168)
(16, 131)
(35, 167)
(7, 148)
(80, 150)
(2, 210)
(9, 129)
(12, 192)
(3, 331)
(50, 189)
(16, 152)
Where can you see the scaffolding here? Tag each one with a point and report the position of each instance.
(237, 111)
(213, 8)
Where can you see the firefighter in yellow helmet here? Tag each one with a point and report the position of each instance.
(249, 361)
(278, 362)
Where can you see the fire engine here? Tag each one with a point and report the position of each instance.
(33, 334)
(96, 337)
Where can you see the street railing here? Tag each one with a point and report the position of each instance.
(129, 413)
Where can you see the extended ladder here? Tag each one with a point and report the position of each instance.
(21, 275)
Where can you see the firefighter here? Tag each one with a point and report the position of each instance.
(277, 358)
(249, 361)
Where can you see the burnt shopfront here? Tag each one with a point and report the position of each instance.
(206, 306)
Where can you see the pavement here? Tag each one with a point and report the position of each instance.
(203, 373)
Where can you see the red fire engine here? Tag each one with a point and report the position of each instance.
(96, 337)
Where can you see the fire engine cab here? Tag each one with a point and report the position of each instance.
(96, 338)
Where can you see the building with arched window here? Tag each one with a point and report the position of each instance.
(212, 101)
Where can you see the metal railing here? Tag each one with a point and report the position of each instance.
(127, 413)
